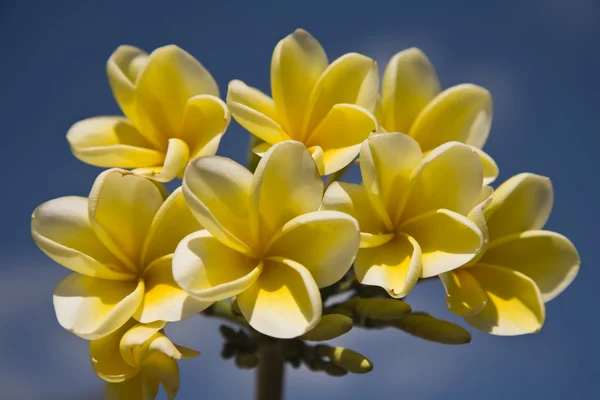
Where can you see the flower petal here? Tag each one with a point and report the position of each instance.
(353, 200)
(62, 230)
(490, 168)
(255, 111)
(164, 300)
(394, 266)
(121, 209)
(140, 387)
(175, 161)
(476, 214)
(111, 142)
(324, 242)
(286, 184)
(205, 121)
(106, 357)
(123, 68)
(340, 134)
(522, 203)
(173, 221)
(93, 308)
(211, 271)
(462, 113)
(548, 258)
(387, 162)
(217, 190)
(447, 240)
(449, 177)
(409, 84)
(171, 77)
(284, 302)
(352, 79)
(514, 306)
(165, 369)
(464, 296)
(298, 62)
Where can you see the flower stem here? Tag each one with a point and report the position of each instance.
(271, 368)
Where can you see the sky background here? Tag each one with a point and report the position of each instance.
(539, 59)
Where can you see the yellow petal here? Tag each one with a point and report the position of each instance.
(394, 266)
(286, 184)
(298, 62)
(217, 190)
(175, 161)
(514, 306)
(464, 296)
(173, 221)
(62, 230)
(462, 113)
(211, 271)
(135, 342)
(340, 134)
(316, 152)
(447, 240)
(284, 302)
(387, 162)
(205, 121)
(171, 77)
(123, 68)
(107, 361)
(548, 258)
(352, 199)
(352, 79)
(449, 177)
(476, 214)
(164, 300)
(163, 368)
(92, 308)
(324, 242)
(522, 203)
(409, 84)
(490, 168)
(112, 142)
(121, 209)
(255, 111)
(140, 387)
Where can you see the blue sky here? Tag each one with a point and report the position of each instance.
(539, 59)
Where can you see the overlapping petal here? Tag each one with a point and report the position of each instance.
(284, 302)
(205, 120)
(464, 295)
(123, 68)
(140, 387)
(175, 161)
(106, 357)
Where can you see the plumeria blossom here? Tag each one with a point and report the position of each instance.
(412, 103)
(265, 240)
(172, 114)
(119, 244)
(325, 106)
(136, 359)
(504, 290)
(413, 210)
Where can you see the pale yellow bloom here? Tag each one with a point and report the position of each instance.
(412, 210)
(136, 359)
(503, 291)
(265, 240)
(325, 106)
(172, 109)
(413, 104)
(119, 242)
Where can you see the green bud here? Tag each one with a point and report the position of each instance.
(228, 333)
(345, 358)
(380, 309)
(334, 370)
(228, 351)
(429, 328)
(330, 327)
(247, 360)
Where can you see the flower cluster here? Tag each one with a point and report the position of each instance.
(275, 238)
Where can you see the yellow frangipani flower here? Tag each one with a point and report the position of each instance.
(503, 291)
(325, 106)
(119, 242)
(136, 359)
(265, 240)
(172, 109)
(412, 210)
(412, 103)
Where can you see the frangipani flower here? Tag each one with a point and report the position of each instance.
(413, 104)
(325, 106)
(136, 359)
(504, 290)
(119, 243)
(412, 210)
(172, 109)
(265, 240)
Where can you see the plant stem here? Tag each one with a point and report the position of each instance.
(270, 373)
